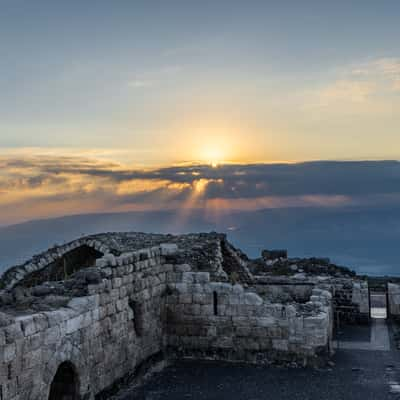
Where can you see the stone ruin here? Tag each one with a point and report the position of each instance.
(81, 318)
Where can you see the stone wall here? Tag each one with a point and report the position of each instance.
(350, 295)
(224, 321)
(285, 292)
(96, 333)
(393, 300)
(149, 302)
(351, 301)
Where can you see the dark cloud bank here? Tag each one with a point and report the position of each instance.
(361, 230)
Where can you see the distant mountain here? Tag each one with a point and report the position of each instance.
(364, 239)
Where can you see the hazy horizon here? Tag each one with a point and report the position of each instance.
(364, 239)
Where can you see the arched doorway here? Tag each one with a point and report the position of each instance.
(65, 383)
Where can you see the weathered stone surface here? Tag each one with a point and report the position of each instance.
(189, 295)
(394, 299)
(168, 249)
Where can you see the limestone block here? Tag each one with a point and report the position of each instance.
(188, 277)
(121, 304)
(252, 299)
(114, 294)
(110, 259)
(30, 267)
(13, 332)
(79, 304)
(102, 263)
(223, 342)
(280, 344)
(318, 339)
(2, 338)
(168, 249)
(241, 321)
(182, 287)
(74, 324)
(183, 268)
(185, 298)
(295, 341)
(364, 301)
(237, 289)
(28, 325)
(219, 287)
(266, 322)
(211, 330)
(41, 322)
(235, 299)
(9, 353)
(10, 390)
(146, 294)
(207, 310)
(51, 336)
(116, 282)
(201, 298)
(32, 359)
(316, 322)
(202, 277)
(123, 291)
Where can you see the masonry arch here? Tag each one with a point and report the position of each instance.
(65, 384)
(68, 263)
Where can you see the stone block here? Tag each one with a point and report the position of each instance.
(9, 353)
(202, 277)
(185, 298)
(168, 249)
(13, 332)
(74, 324)
(188, 277)
(266, 322)
(183, 268)
(252, 299)
(32, 359)
(280, 344)
(28, 325)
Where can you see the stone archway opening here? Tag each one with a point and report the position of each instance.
(82, 257)
(65, 385)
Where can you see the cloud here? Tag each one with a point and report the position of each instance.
(75, 184)
(384, 70)
(369, 86)
(347, 90)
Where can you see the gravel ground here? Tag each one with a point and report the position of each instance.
(356, 375)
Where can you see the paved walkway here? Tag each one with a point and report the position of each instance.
(379, 339)
(372, 373)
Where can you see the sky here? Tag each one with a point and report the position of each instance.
(134, 105)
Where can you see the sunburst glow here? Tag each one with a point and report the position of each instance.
(213, 156)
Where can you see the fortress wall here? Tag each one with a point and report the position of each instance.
(282, 293)
(223, 321)
(351, 300)
(393, 300)
(104, 335)
(143, 306)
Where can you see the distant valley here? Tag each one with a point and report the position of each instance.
(364, 239)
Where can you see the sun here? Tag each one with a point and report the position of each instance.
(213, 156)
